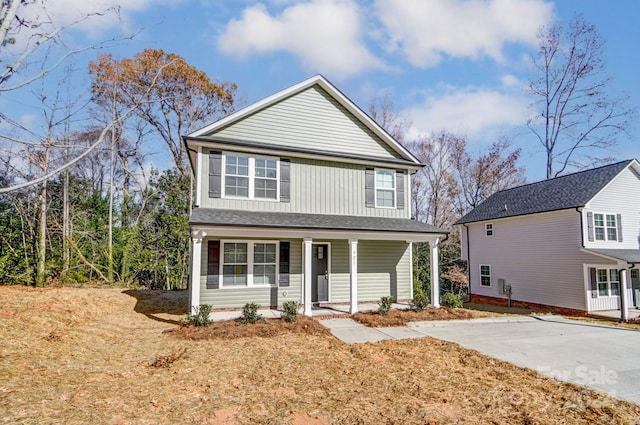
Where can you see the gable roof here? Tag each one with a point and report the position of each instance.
(323, 96)
(569, 191)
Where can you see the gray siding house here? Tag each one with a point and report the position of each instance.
(302, 197)
(570, 242)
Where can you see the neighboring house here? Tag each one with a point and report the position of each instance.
(302, 197)
(570, 242)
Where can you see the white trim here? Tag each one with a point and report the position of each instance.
(297, 88)
(250, 263)
(284, 233)
(435, 275)
(353, 276)
(199, 176)
(307, 255)
(411, 270)
(480, 276)
(196, 259)
(375, 187)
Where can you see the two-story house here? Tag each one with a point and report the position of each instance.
(302, 197)
(570, 242)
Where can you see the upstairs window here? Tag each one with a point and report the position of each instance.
(385, 188)
(488, 229)
(251, 177)
(605, 227)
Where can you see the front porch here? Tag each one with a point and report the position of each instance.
(632, 313)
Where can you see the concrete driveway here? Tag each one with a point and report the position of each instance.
(606, 358)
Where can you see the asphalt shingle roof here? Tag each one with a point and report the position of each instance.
(570, 191)
(629, 255)
(222, 217)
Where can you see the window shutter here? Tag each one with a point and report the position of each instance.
(590, 226)
(370, 187)
(594, 282)
(400, 189)
(213, 265)
(619, 223)
(285, 184)
(215, 174)
(284, 264)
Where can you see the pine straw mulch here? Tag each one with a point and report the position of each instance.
(229, 329)
(402, 317)
(78, 356)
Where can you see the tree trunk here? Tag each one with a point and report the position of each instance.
(65, 226)
(42, 231)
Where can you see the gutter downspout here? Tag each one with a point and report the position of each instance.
(579, 210)
(468, 260)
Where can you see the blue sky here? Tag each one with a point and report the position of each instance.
(454, 65)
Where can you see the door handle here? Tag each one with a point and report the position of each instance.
(326, 275)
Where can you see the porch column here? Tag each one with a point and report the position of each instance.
(353, 274)
(624, 310)
(435, 275)
(308, 245)
(196, 255)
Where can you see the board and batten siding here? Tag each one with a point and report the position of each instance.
(238, 297)
(310, 119)
(620, 196)
(384, 269)
(538, 255)
(317, 187)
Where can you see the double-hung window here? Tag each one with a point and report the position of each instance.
(605, 227)
(485, 275)
(385, 188)
(250, 177)
(608, 281)
(249, 263)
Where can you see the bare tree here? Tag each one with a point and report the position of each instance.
(575, 116)
(382, 112)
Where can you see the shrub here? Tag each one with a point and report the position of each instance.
(384, 305)
(420, 301)
(250, 314)
(451, 300)
(290, 311)
(201, 316)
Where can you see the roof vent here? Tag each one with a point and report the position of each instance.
(505, 207)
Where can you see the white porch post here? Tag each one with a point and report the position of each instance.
(435, 275)
(353, 274)
(308, 244)
(196, 255)
(624, 302)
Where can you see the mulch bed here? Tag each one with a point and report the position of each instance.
(230, 329)
(402, 317)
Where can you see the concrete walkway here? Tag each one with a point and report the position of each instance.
(605, 358)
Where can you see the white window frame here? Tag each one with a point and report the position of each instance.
(480, 266)
(605, 227)
(252, 176)
(608, 283)
(488, 229)
(250, 263)
(393, 180)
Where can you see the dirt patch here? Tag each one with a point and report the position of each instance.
(402, 317)
(78, 356)
(230, 329)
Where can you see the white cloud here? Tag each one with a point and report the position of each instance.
(475, 112)
(325, 35)
(426, 31)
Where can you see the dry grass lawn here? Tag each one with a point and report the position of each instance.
(402, 317)
(104, 356)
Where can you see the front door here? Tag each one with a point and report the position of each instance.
(320, 273)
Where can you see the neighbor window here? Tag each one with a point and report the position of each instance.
(250, 177)
(485, 275)
(605, 227)
(489, 229)
(608, 282)
(249, 263)
(385, 188)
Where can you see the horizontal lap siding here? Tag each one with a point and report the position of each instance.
(340, 276)
(238, 297)
(310, 120)
(620, 196)
(318, 187)
(539, 255)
